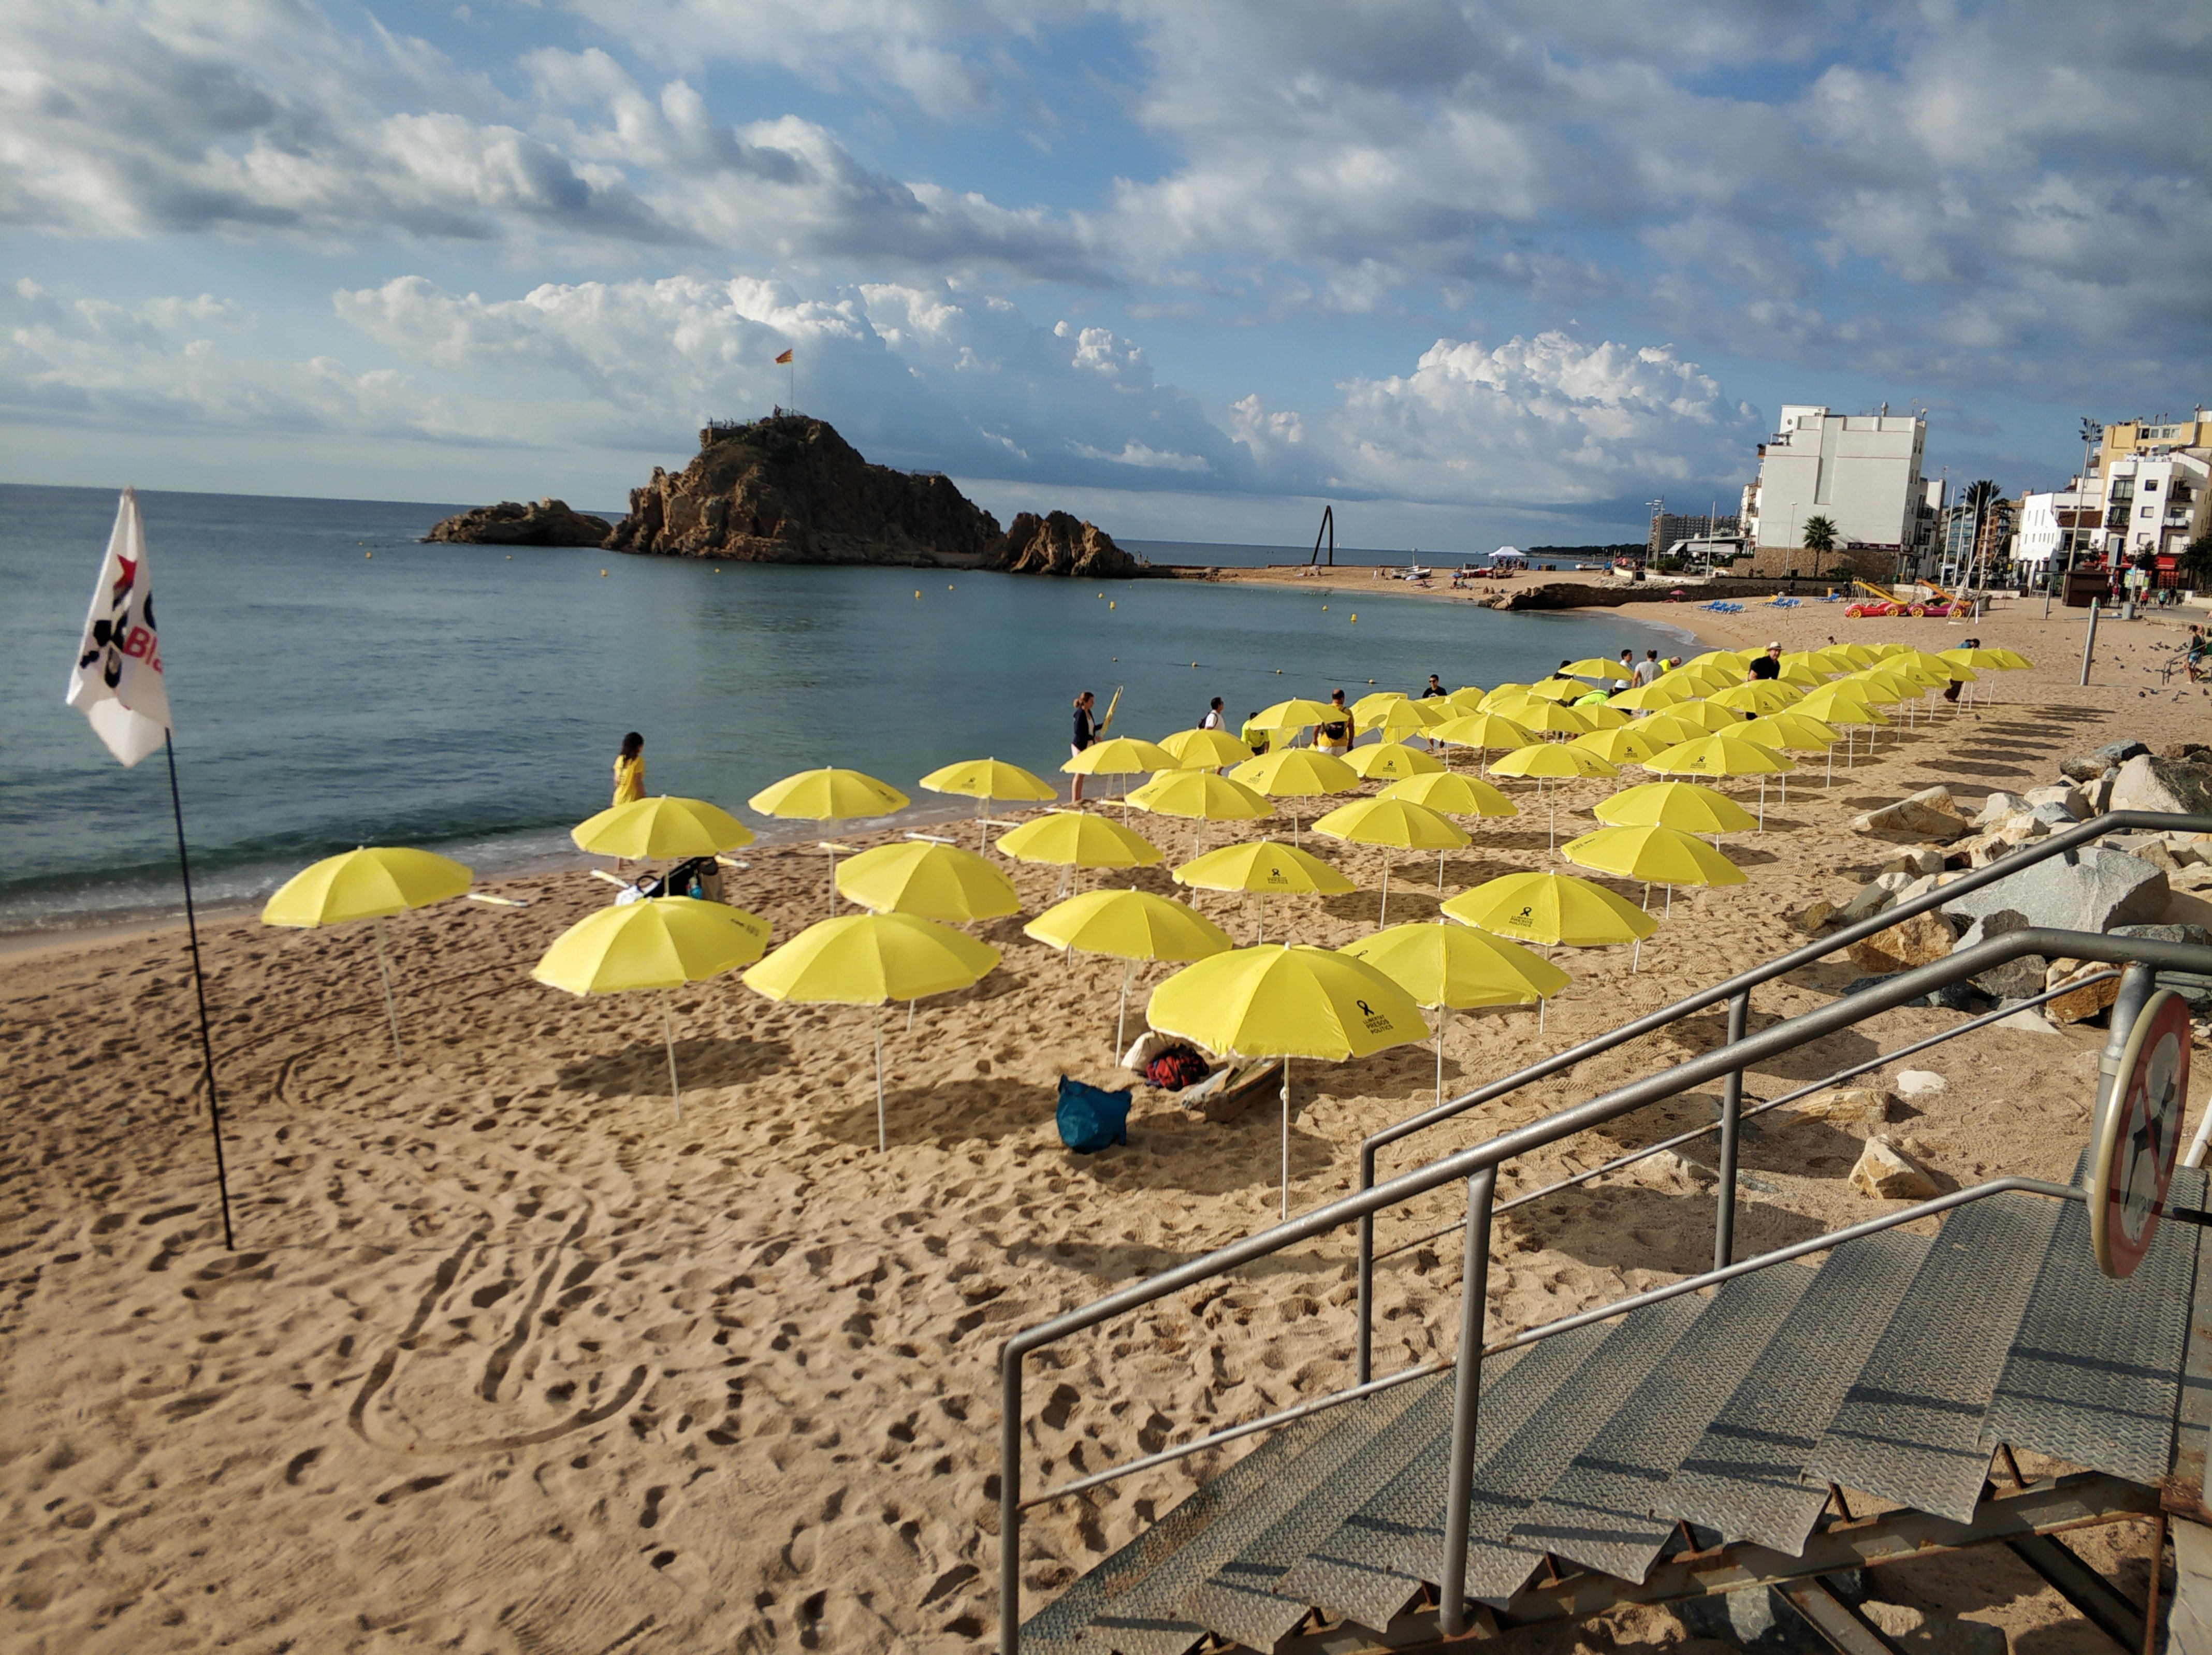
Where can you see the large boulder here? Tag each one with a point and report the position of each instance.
(2090, 889)
(2182, 786)
(1921, 939)
(1930, 813)
(1061, 544)
(542, 523)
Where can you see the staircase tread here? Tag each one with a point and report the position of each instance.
(1143, 1620)
(1532, 1459)
(1600, 1511)
(1346, 1573)
(2094, 1374)
(1909, 1429)
(1741, 1478)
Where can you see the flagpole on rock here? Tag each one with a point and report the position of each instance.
(199, 988)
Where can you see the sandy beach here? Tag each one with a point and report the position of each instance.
(509, 1358)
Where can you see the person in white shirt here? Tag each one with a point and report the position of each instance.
(1213, 719)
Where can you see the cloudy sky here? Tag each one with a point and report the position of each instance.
(1494, 270)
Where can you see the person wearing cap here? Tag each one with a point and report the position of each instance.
(1768, 665)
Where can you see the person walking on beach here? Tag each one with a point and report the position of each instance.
(1768, 665)
(1335, 737)
(629, 777)
(1085, 733)
(1435, 689)
(1647, 669)
(1252, 735)
(1212, 720)
(1628, 664)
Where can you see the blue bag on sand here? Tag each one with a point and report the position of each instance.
(1091, 1117)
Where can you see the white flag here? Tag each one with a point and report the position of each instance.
(117, 680)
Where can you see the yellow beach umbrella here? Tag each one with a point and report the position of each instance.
(1549, 761)
(1075, 838)
(1450, 794)
(829, 794)
(650, 828)
(1487, 732)
(1599, 715)
(1597, 666)
(1654, 855)
(1792, 732)
(1276, 1002)
(1205, 750)
(1554, 909)
(1396, 824)
(1131, 926)
(1723, 755)
(1497, 695)
(872, 959)
(985, 780)
(1467, 699)
(1372, 704)
(1709, 716)
(1665, 729)
(1650, 697)
(1766, 695)
(1400, 718)
(1854, 654)
(1392, 761)
(1682, 804)
(1451, 968)
(1627, 746)
(1266, 867)
(1201, 796)
(1297, 773)
(1296, 714)
(2014, 661)
(1728, 660)
(1549, 718)
(661, 942)
(1703, 680)
(370, 883)
(1122, 755)
(938, 882)
(1842, 704)
(1558, 689)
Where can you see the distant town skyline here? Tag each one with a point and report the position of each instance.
(1477, 273)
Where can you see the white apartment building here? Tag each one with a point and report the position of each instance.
(2152, 502)
(2047, 520)
(1860, 472)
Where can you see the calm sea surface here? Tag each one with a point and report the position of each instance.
(336, 683)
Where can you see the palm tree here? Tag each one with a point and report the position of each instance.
(1819, 534)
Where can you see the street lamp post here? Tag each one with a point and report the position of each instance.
(2091, 431)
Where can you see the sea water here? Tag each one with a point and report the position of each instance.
(335, 683)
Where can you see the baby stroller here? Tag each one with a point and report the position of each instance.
(700, 877)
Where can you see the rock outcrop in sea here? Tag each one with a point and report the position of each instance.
(789, 489)
(542, 523)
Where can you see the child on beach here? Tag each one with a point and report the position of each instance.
(629, 777)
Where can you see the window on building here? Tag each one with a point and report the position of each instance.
(2150, 485)
(2149, 511)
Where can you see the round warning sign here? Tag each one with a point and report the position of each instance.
(2138, 1135)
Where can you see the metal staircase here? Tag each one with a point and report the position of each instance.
(1769, 1423)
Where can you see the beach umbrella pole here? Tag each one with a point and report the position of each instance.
(1286, 1138)
(391, 1005)
(879, 1080)
(668, 1033)
(1122, 1017)
(1762, 804)
(1383, 917)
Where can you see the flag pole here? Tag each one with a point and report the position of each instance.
(199, 988)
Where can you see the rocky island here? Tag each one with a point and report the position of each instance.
(545, 523)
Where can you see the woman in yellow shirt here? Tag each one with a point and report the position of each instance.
(629, 769)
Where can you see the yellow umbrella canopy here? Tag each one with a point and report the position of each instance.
(1844, 701)
(1297, 773)
(1273, 1001)
(1369, 705)
(1398, 719)
(1703, 680)
(872, 959)
(1597, 666)
(1766, 697)
(1122, 755)
(1733, 660)
(1720, 755)
(1558, 689)
(1551, 909)
(1205, 749)
(938, 882)
(1798, 673)
(663, 942)
(1656, 854)
(1549, 718)
(1200, 796)
(1397, 822)
(1665, 729)
(828, 796)
(1938, 669)
(659, 827)
(1295, 714)
(1854, 654)
(1553, 760)
(369, 883)
(1708, 715)
(1454, 967)
(1074, 838)
(1392, 761)
(1650, 697)
(1493, 698)
(1491, 732)
(1601, 716)
(1130, 926)
(1267, 865)
(1628, 746)
(1450, 794)
(989, 779)
(1682, 804)
(2012, 661)
(1787, 729)
(1467, 699)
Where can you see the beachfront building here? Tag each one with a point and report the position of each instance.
(2056, 523)
(1861, 472)
(2152, 503)
(1668, 528)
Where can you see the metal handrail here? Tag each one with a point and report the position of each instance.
(1737, 991)
(1477, 1165)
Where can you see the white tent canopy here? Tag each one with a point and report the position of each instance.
(1509, 555)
